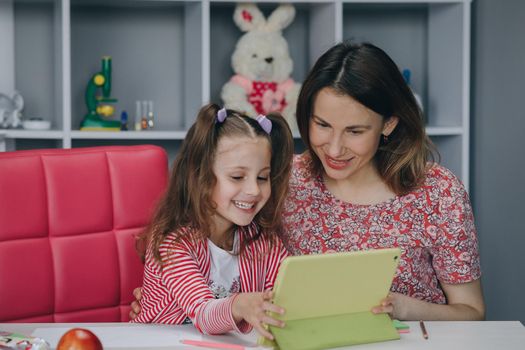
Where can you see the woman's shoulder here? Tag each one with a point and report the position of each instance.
(302, 161)
(442, 182)
(438, 174)
(302, 168)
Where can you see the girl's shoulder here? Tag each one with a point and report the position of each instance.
(184, 237)
(251, 231)
(263, 241)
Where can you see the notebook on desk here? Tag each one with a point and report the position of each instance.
(328, 299)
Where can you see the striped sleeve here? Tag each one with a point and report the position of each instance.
(184, 263)
(273, 261)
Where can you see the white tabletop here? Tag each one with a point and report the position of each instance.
(500, 335)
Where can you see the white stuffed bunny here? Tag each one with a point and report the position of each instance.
(262, 64)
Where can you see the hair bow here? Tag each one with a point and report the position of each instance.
(221, 115)
(265, 123)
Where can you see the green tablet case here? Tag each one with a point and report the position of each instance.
(328, 299)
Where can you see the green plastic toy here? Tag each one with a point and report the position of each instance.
(99, 106)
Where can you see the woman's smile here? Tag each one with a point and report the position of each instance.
(337, 164)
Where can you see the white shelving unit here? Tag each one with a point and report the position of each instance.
(177, 53)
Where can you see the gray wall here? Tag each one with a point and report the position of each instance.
(498, 159)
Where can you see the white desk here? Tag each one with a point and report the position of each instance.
(503, 335)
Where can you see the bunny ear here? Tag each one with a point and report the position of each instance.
(248, 17)
(18, 100)
(281, 17)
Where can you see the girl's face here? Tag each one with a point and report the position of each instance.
(345, 135)
(242, 169)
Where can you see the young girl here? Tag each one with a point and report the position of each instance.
(212, 249)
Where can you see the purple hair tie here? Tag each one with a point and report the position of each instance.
(265, 123)
(221, 115)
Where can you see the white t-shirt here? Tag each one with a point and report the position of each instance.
(224, 270)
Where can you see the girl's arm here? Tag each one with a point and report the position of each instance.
(273, 262)
(254, 307)
(465, 303)
(238, 312)
(182, 275)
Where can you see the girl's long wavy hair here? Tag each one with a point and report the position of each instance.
(188, 202)
(368, 75)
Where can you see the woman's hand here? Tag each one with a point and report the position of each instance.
(135, 304)
(464, 303)
(252, 308)
(395, 305)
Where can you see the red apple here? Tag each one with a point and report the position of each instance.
(79, 339)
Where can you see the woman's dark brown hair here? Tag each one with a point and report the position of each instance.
(368, 75)
(188, 198)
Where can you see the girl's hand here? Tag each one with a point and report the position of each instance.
(135, 304)
(395, 305)
(252, 308)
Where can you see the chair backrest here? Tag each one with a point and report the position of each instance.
(68, 221)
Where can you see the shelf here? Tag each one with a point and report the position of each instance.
(129, 135)
(157, 135)
(427, 37)
(154, 56)
(37, 58)
(32, 134)
(305, 45)
(444, 131)
(177, 54)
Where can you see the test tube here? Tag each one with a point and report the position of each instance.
(144, 118)
(138, 116)
(151, 122)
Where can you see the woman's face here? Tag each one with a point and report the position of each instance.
(345, 134)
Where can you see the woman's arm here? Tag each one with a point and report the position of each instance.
(135, 304)
(464, 303)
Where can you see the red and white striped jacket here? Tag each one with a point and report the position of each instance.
(180, 288)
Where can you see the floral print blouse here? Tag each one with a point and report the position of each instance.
(433, 226)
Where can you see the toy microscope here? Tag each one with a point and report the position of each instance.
(99, 106)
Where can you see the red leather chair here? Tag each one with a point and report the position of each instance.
(68, 218)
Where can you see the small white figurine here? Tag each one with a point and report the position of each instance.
(11, 111)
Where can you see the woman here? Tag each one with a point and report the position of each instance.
(368, 181)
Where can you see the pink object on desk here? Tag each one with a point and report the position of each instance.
(215, 345)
